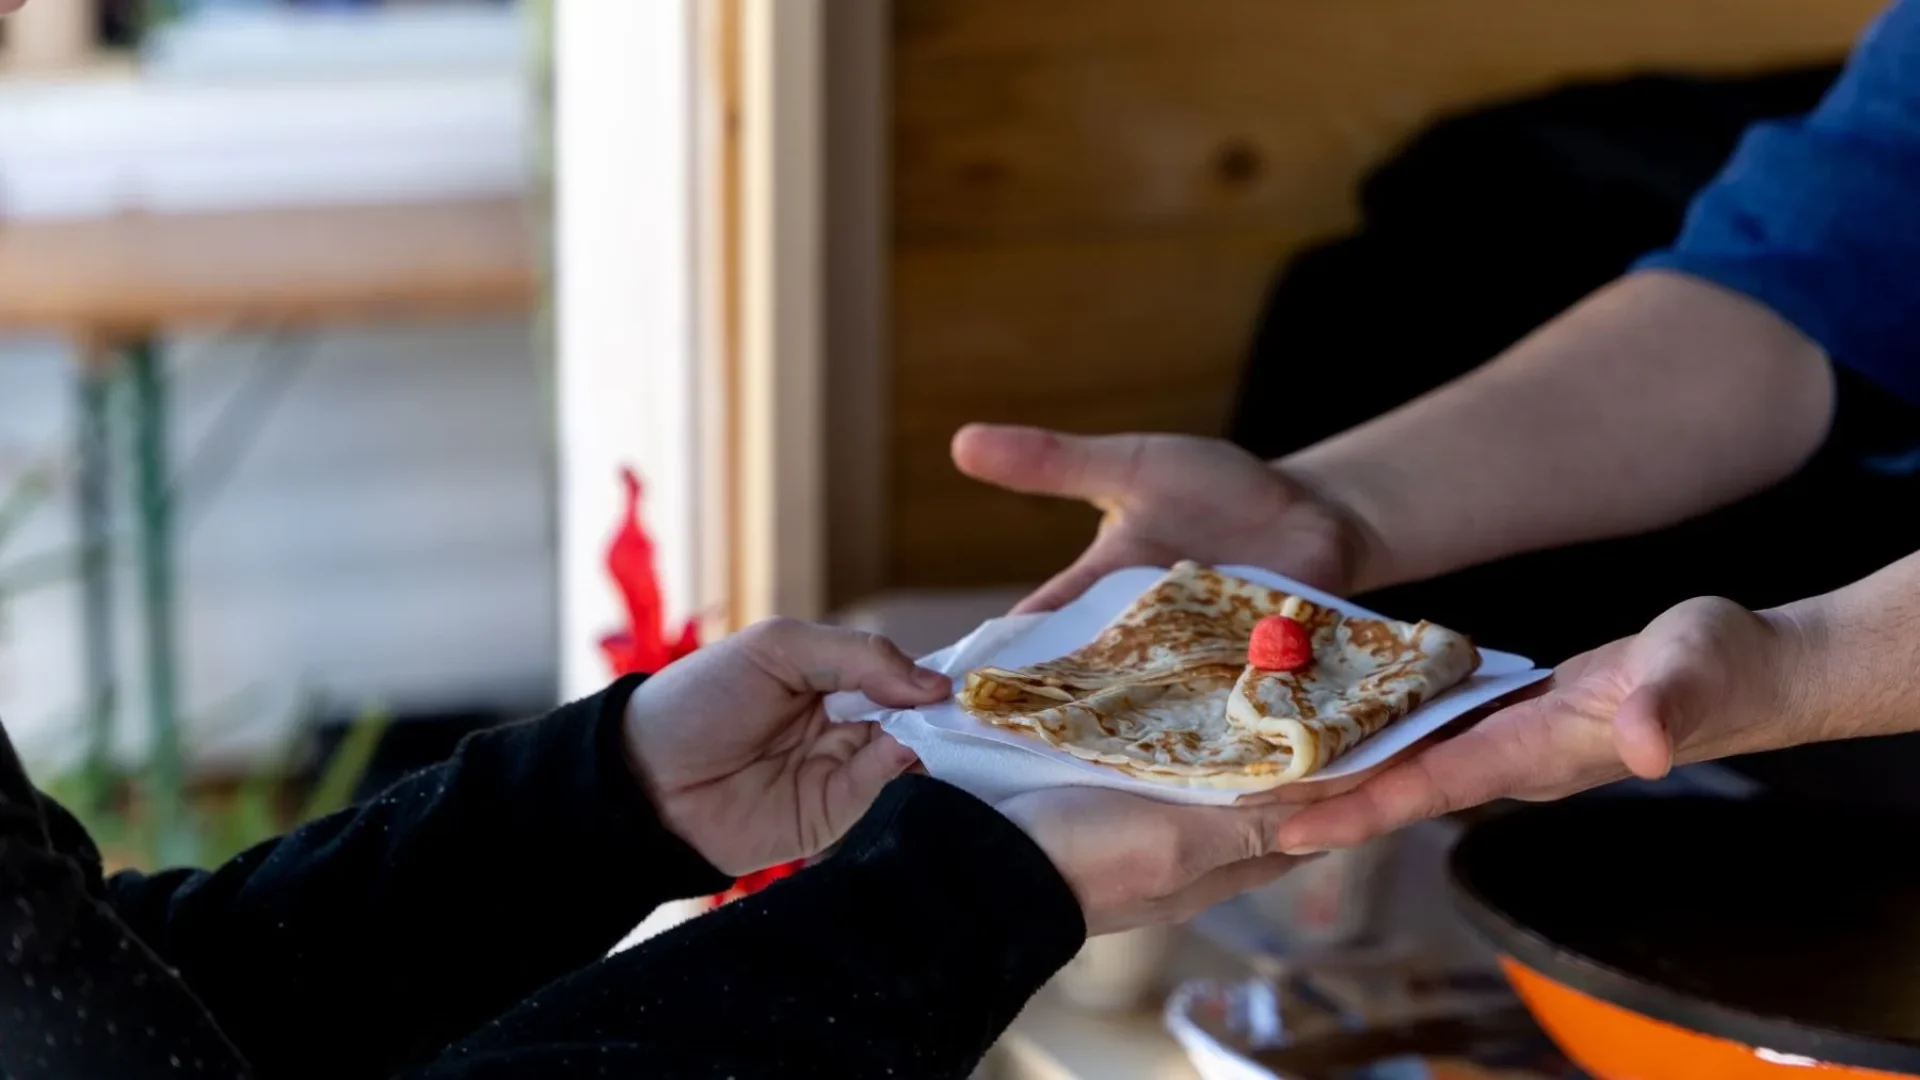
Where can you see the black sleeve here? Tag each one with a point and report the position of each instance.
(905, 955)
(369, 940)
(79, 994)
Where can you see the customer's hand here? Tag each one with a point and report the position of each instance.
(1167, 498)
(738, 754)
(1134, 862)
(1707, 679)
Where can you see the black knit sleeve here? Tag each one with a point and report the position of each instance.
(370, 939)
(905, 955)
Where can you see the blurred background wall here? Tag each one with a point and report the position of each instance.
(381, 534)
(384, 540)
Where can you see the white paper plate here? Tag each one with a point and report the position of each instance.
(995, 762)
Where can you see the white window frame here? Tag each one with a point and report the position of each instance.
(627, 378)
(747, 457)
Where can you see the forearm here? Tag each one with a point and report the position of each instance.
(1853, 656)
(1656, 399)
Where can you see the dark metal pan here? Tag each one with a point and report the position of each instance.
(1699, 939)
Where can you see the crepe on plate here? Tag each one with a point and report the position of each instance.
(1165, 692)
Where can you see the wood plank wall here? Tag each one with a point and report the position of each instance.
(1090, 196)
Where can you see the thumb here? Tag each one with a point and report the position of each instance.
(1640, 734)
(1667, 702)
(1651, 721)
(1036, 461)
(828, 659)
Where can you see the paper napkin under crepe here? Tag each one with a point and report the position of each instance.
(996, 763)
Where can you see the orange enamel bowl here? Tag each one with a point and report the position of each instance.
(1706, 939)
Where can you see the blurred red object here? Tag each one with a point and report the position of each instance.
(756, 881)
(643, 646)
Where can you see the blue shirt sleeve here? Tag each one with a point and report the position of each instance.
(1819, 218)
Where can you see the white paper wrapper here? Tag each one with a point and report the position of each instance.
(996, 763)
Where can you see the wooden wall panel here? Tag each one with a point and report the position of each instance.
(1090, 197)
(1120, 333)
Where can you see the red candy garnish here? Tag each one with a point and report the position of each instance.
(1280, 644)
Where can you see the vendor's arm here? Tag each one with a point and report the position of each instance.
(1702, 377)
(1695, 381)
(1657, 399)
(1705, 680)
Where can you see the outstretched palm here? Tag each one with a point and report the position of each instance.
(1696, 684)
(1166, 498)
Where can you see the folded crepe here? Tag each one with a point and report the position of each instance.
(1165, 692)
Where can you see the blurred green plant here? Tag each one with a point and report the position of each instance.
(28, 493)
(257, 813)
(112, 801)
(226, 819)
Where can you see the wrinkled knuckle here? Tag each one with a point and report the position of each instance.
(1250, 837)
(1434, 797)
(878, 644)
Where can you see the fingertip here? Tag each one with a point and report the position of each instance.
(961, 446)
(911, 685)
(855, 785)
(1336, 823)
(971, 432)
(890, 755)
(901, 756)
(1294, 839)
(980, 449)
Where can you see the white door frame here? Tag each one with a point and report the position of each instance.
(722, 402)
(627, 365)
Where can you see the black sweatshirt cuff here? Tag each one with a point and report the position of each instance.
(979, 885)
(906, 954)
(619, 801)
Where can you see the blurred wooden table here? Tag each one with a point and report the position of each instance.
(110, 281)
(115, 285)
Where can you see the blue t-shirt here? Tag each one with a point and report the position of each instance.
(1819, 218)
